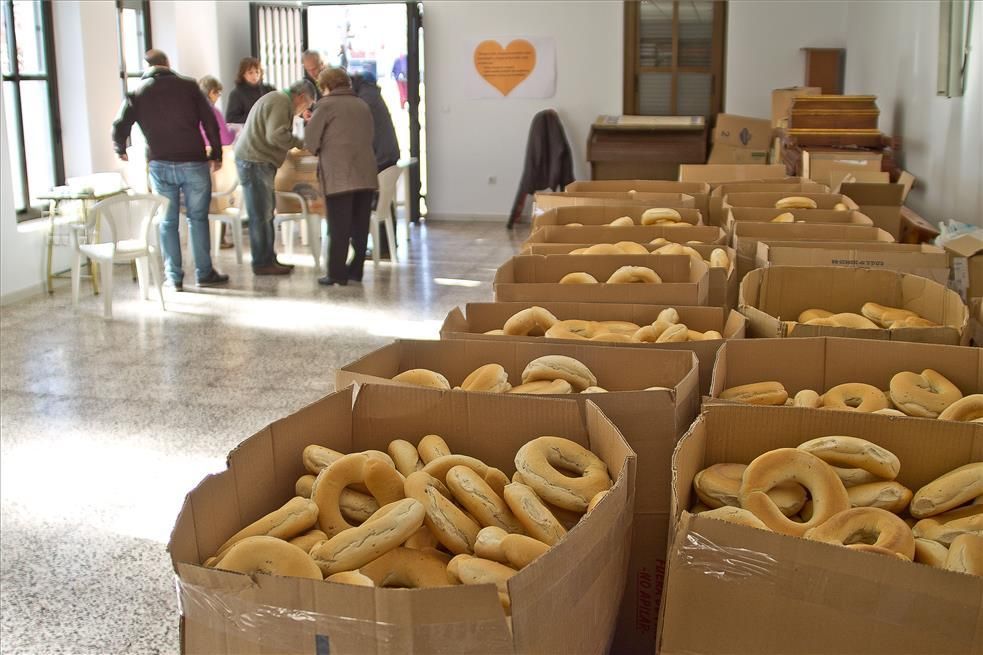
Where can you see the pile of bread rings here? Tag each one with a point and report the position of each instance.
(928, 394)
(872, 317)
(421, 516)
(544, 375)
(624, 275)
(536, 321)
(718, 256)
(842, 490)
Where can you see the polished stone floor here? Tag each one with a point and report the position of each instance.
(105, 425)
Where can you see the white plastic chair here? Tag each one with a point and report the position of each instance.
(227, 206)
(383, 212)
(118, 230)
(307, 218)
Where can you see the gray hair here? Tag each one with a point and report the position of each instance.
(311, 54)
(302, 88)
(208, 84)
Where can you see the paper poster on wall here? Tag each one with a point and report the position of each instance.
(510, 67)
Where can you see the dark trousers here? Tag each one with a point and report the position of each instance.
(348, 222)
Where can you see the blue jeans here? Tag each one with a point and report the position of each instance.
(193, 179)
(259, 196)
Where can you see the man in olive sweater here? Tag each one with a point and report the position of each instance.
(260, 150)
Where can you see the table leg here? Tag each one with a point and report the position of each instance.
(93, 267)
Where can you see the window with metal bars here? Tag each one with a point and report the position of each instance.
(133, 32)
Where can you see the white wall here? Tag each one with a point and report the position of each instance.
(470, 140)
(763, 42)
(942, 137)
(235, 41)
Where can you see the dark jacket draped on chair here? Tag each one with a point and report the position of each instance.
(549, 162)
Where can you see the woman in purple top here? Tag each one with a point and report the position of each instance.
(212, 89)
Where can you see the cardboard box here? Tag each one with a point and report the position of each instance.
(781, 102)
(742, 132)
(478, 318)
(299, 175)
(565, 601)
(966, 260)
(699, 190)
(746, 234)
(650, 421)
(537, 277)
(721, 153)
(921, 259)
(882, 202)
(737, 215)
(773, 594)
(604, 234)
(767, 199)
(976, 310)
(818, 164)
(714, 174)
(820, 363)
(790, 185)
(597, 215)
(723, 281)
(545, 200)
(773, 297)
(838, 175)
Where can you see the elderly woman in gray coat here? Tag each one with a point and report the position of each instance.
(340, 133)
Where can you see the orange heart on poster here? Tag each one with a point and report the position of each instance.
(505, 68)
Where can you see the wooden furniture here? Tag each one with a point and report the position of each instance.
(645, 147)
(825, 68)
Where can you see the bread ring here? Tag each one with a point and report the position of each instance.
(807, 398)
(759, 393)
(596, 499)
(405, 456)
(668, 315)
(578, 251)
(854, 453)
(476, 570)
(631, 248)
(930, 552)
(567, 517)
(866, 525)
(785, 217)
(520, 550)
(560, 332)
(355, 547)
(634, 275)
(851, 477)
(719, 258)
(296, 516)
(618, 327)
(533, 514)
(884, 315)
(488, 544)
(810, 314)
(453, 528)
(431, 447)
(966, 555)
(307, 540)
(478, 498)
(719, 485)
(422, 377)
(439, 467)
(677, 333)
(269, 555)
(651, 333)
(891, 496)
(421, 539)
(382, 481)
(844, 320)
(531, 321)
(497, 480)
(735, 515)
(912, 322)
(603, 249)
(304, 485)
(547, 465)
(659, 241)
(490, 377)
(951, 490)
(585, 329)
(943, 528)
(316, 458)
(407, 568)
(357, 507)
(352, 578)
(795, 202)
(855, 396)
(559, 367)
(969, 408)
(611, 337)
(578, 278)
(573, 224)
(927, 394)
(890, 411)
(623, 221)
(653, 214)
(840, 207)
(712, 335)
(544, 387)
(791, 465)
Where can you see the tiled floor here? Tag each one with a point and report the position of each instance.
(105, 425)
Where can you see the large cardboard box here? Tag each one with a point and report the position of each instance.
(699, 190)
(790, 185)
(602, 214)
(736, 215)
(747, 234)
(772, 299)
(976, 311)
(723, 281)
(545, 200)
(566, 601)
(918, 259)
(818, 164)
(742, 132)
(721, 153)
(966, 260)
(298, 174)
(714, 174)
(651, 422)
(593, 233)
(537, 277)
(882, 202)
(781, 102)
(476, 319)
(820, 363)
(773, 594)
(767, 199)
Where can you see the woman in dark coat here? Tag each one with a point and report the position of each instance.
(248, 89)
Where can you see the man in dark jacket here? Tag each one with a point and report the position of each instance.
(169, 109)
(313, 65)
